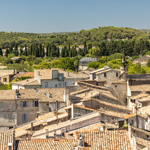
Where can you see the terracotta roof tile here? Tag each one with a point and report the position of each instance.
(29, 74)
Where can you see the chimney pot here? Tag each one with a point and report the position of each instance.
(47, 134)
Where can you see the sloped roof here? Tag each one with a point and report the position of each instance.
(27, 82)
(47, 144)
(143, 87)
(29, 74)
(6, 72)
(42, 94)
(109, 140)
(145, 110)
(5, 138)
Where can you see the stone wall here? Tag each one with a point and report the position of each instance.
(138, 81)
(8, 109)
(94, 82)
(70, 89)
(30, 112)
(44, 107)
(98, 105)
(79, 111)
(109, 119)
(110, 76)
(119, 90)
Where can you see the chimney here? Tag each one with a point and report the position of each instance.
(81, 140)
(38, 73)
(31, 126)
(47, 134)
(14, 142)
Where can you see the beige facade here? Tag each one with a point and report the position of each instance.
(6, 79)
(108, 76)
(29, 110)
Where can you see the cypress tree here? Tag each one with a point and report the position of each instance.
(21, 52)
(63, 52)
(58, 52)
(66, 52)
(40, 50)
(7, 52)
(1, 53)
(85, 48)
(69, 49)
(49, 51)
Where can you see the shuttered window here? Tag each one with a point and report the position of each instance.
(24, 103)
(35, 103)
(1, 104)
(10, 116)
(24, 118)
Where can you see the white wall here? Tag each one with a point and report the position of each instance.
(14, 87)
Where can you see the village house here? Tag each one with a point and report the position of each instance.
(50, 78)
(21, 106)
(142, 60)
(6, 76)
(84, 62)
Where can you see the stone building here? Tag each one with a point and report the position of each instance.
(21, 106)
(50, 78)
(6, 76)
(84, 62)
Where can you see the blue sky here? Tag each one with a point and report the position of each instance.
(46, 16)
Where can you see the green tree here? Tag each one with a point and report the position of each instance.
(76, 65)
(95, 52)
(7, 52)
(1, 53)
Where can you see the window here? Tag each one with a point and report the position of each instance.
(1, 104)
(115, 85)
(105, 74)
(46, 84)
(4, 79)
(36, 116)
(10, 116)
(24, 118)
(117, 74)
(24, 103)
(55, 85)
(66, 83)
(35, 103)
(60, 78)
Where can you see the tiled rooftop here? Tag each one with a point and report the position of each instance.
(139, 96)
(145, 110)
(29, 74)
(5, 138)
(6, 72)
(109, 140)
(41, 133)
(27, 82)
(107, 104)
(94, 140)
(43, 94)
(144, 87)
(47, 144)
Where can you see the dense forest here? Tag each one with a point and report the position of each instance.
(94, 36)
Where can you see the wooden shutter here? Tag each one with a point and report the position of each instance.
(33, 103)
(21, 103)
(26, 103)
(24, 118)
